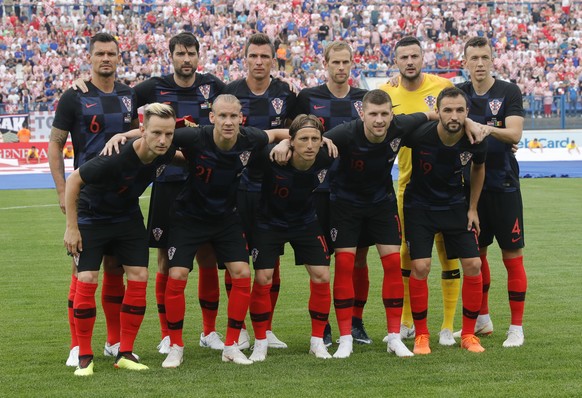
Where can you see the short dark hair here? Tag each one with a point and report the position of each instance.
(185, 39)
(451, 92)
(102, 38)
(259, 39)
(407, 41)
(302, 121)
(477, 41)
(376, 97)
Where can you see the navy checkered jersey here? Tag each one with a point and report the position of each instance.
(195, 101)
(436, 182)
(502, 100)
(214, 174)
(269, 110)
(287, 193)
(364, 174)
(113, 185)
(94, 117)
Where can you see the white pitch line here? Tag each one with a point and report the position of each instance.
(37, 206)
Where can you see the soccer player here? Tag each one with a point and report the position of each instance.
(92, 118)
(205, 211)
(434, 201)
(416, 91)
(266, 103)
(287, 214)
(336, 102)
(362, 198)
(498, 105)
(191, 94)
(103, 213)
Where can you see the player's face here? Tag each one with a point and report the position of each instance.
(339, 66)
(479, 62)
(377, 119)
(452, 113)
(104, 59)
(226, 118)
(409, 61)
(306, 144)
(185, 61)
(158, 134)
(259, 61)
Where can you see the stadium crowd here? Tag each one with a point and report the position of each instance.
(43, 44)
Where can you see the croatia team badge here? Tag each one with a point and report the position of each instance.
(333, 234)
(158, 232)
(127, 102)
(255, 254)
(359, 108)
(395, 144)
(321, 175)
(277, 105)
(160, 170)
(465, 157)
(171, 252)
(205, 91)
(244, 157)
(430, 101)
(495, 105)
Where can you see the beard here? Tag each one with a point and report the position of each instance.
(184, 75)
(453, 130)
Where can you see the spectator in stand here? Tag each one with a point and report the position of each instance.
(24, 133)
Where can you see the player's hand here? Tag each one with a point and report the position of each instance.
(281, 153)
(294, 89)
(475, 132)
(514, 148)
(394, 81)
(113, 145)
(331, 148)
(473, 221)
(80, 84)
(73, 241)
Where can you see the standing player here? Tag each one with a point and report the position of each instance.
(362, 199)
(191, 95)
(417, 92)
(92, 118)
(287, 214)
(103, 213)
(266, 104)
(205, 211)
(498, 105)
(434, 201)
(334, 103)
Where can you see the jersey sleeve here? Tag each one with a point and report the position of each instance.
(256, 136)
(144, 91)
(301, 104)
(99, 168)
(514, 102)
(341, 135)
(480, 153)
(406, 124)
(65, 113)
(186, 137)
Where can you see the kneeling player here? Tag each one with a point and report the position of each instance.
(103, 213)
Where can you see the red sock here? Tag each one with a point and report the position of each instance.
(238, 305)
(392, 291)
(361, 288)
(419, 303)
(227, 283)
(175, 309)
(132, 312)
(208, 297)
(319, 303)
(516, 287)
(486, 272)
(161, 282)
(343, 291)
(260, 309)
(274, 293)
(112, 293)
(85, 311)
(472, 292)
(71, 312)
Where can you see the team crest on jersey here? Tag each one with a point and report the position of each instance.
(254, 254)
(333, 234)
(465, 157)
(359, 108)
(157, 232)
(495, 105)
(430, 101)
(277, 105)
(321, 175)
(171, 252)
(160, 170)
(205, 91)
(395, 144)
(244, 157)
(127, 102)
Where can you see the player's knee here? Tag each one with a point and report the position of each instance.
(138, 274)
(420, 268)
(88, 276)
(179, 273)
(264, 277)
(471, 266)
